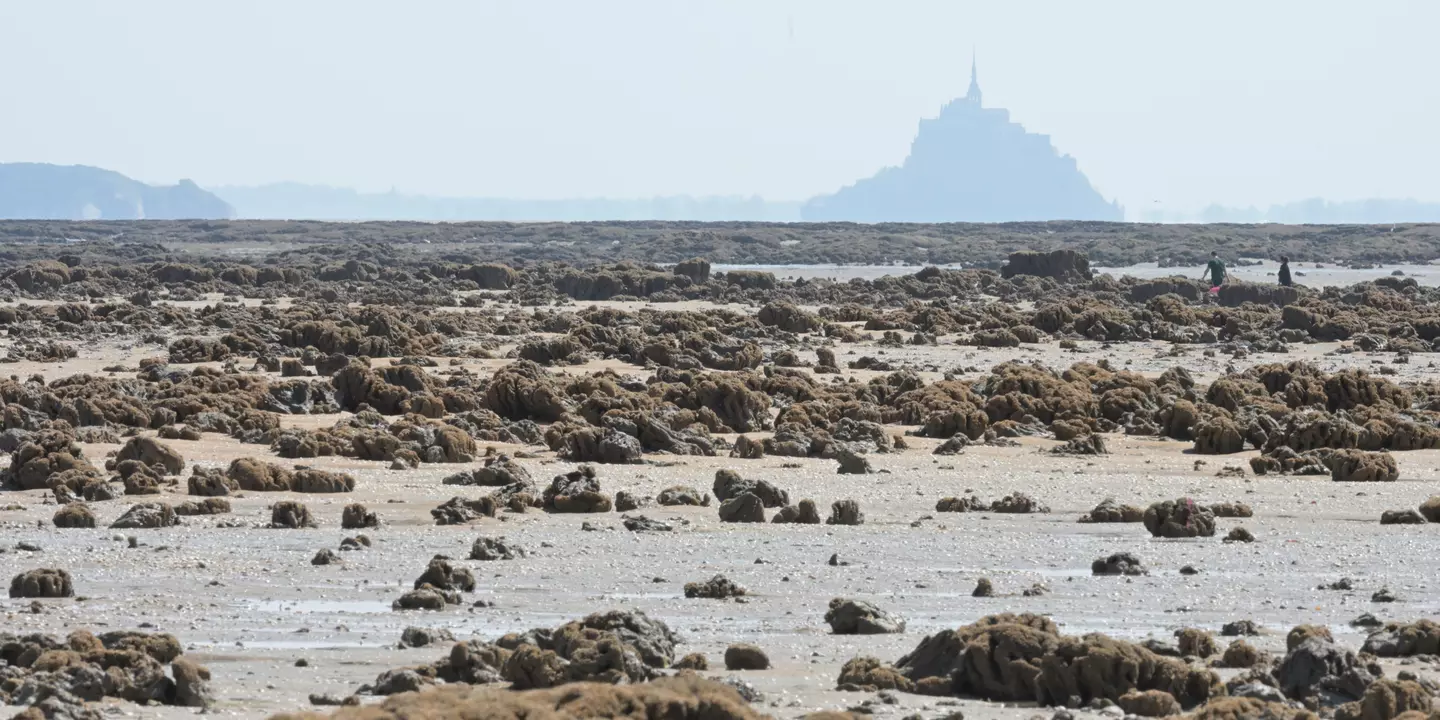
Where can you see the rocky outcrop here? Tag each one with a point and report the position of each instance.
(36, 191)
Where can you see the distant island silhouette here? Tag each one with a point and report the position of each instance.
(38, 191)
(297, 201)
(1314, 211)
(970, 164)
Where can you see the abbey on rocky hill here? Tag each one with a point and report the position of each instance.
(970, 164)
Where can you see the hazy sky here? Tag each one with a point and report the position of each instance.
(1237, 102)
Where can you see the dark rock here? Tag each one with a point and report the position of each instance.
(716, 588)
(743, 656)
(743, 508)
(1118, 564)
(845, 512)
(859, 617)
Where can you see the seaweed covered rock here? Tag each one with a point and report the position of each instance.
(1110, 511)
(146, 515)
(788, 317)
(682, 495)
(1018, 503)
(845, 512)
(441, 575)
(858, 617)
(425, 598)
(311, 480)
(599, 445)
(697, 269)
(290, 515)
(683, 697)
(1118, 564)
(74, 515)
(1087, 444)
(1249, 708)
(1180, 518)
(1362, 466)
(1196, 642)
(208, 506)
(868, 674)
(525, 391)
(1241, 654)
(728, 485)
(1301, 633)
(1064, 265)
(577, 491)
(356, 516)
(852, 463)
(255, 475)
(1430, 509)
(574, 652)
(210, 482)
(1023, 658)
(192, 684)
(498, 471)
(652, 639)
(48, 458)
(1318, 670)
(804, 512)
(43, 583)
(969, 503)
(1389, 699)
(1285, 460)
(494, 548)
(1230, 509)
(1148, 703)
(716, 588)
(459, 510)
(744, 508)
(747, 449)
(1402, 517)
(1421, 637)
(417, 637)
(151, 451)
(1218, 436)
(744, 656)
(626, 501)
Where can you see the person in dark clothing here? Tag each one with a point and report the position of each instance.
(1284, 273)
(1215, 269)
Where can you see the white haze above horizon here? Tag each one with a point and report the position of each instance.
(1166, 106)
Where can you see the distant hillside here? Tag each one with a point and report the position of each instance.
(970, 164)
(35, 191)
(295, 201)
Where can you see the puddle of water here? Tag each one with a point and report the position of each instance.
(1042, 571)
(295, 645)
(359, 607)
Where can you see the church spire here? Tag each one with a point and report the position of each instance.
(973, 94)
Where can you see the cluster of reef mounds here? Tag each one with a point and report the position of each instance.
(685, 696)
(47, 254)
(1024, 658)
(56, 677)
(363, 299)
(614, 647)
(409, 410)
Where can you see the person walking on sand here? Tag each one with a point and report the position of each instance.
(1215, 269)
(1284, 274)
